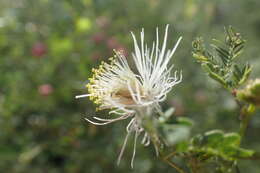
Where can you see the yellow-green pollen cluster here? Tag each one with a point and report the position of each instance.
(95, 94)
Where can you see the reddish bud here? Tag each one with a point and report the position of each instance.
(95, 56)
(45, 89)
(112, 43)
(39, 49)
(102, 22)
(98, 38)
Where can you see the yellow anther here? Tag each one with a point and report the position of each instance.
(111, 58)
(93, 70)
(101, 66)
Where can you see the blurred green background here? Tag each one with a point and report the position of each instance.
(47, 50)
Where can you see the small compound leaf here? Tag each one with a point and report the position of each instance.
(214, 138)
(182, 146)
(185, 121)
(217, 144)
(174, 134)
(217, 77)
(231, 139)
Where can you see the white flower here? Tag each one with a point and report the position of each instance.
(117, 87)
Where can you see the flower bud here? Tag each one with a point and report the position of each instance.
(251, 93)
(45, 89)
(39, 49)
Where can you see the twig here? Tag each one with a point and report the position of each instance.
(245, 118)
(237, 169)
(172, 164)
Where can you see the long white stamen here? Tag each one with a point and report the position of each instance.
(148, 141)
(133, 157)
(129, 126)
(95, 123)
(132, 92)
(145, 138)
(116, 86)
(111, 120)
(81, 96)
(122, 149)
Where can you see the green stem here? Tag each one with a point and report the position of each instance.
(244, 125)
(151, 125)
(255, 156)
(245, 115)
(195, 166)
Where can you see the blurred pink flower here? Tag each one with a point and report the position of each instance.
(95, 56)
(102, 22)
(45, 89)
(112, 43)
(98, 37)
(39, 49)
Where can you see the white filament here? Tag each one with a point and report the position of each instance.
(147, 88)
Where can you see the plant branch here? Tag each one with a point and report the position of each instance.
(245, 116)
(172, 164)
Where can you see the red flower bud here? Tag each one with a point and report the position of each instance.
(45, 89)
(39, 49)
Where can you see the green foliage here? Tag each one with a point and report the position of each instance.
(220, 64)
(47, 50)
(218, 144)
(175, 130)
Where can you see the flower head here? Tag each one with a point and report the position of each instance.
(118, 87)
(251, 93)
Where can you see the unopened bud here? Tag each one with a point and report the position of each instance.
(251, 93)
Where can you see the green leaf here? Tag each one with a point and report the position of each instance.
(223, 54)
(214, 138)
(178, 131)
(166, 115)
(219, 64)
(218, 78)
(232, 139)
(216, 143)
(182, 146)
(238, 50)
(185, 121)
(174, 134)
(235, 152)
(246, 72)
(241, 76)
(200, 57)
(244, 153)
(197, 140)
